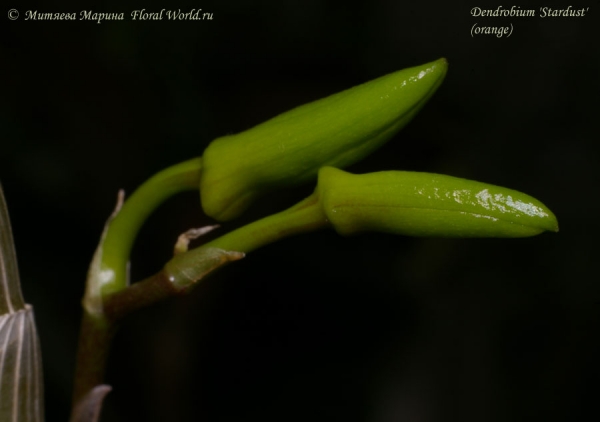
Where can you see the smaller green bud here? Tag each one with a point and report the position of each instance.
(289, 149)
(426, 204)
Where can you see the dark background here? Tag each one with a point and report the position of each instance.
(373, 328)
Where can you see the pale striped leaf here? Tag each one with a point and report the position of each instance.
(21, 388)
(11, 299)
(21, 395)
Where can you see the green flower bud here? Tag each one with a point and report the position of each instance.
(426, 204)
(290, 148)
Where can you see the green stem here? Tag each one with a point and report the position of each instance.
(186, 269)
(123, 229)
(306, 216)
(108, 273)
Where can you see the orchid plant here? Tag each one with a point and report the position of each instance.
(311, 142)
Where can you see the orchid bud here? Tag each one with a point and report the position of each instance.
(426, 204)
(289, 149)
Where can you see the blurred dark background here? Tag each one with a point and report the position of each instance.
(372, 328)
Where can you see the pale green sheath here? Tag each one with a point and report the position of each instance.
(21, 385)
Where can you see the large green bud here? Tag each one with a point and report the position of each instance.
(336, 131)
(426, 204)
